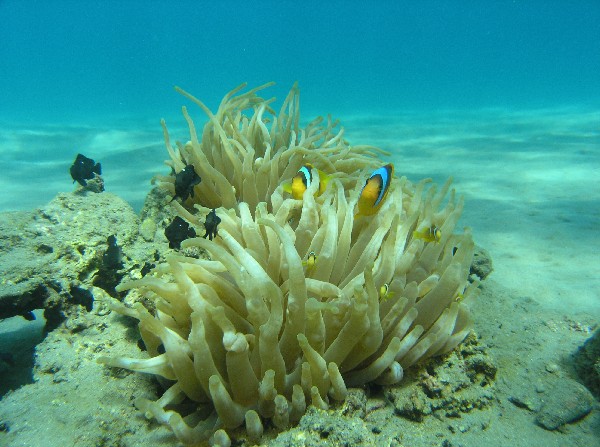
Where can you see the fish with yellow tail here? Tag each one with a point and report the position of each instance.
(310, 261)
(375, 191)
(385, 293)
(431, 234)
(303, 179)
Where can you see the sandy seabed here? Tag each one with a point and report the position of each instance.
(530, 181)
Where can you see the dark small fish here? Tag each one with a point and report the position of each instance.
(82, 296)
(113, 256)
(147, 268)
(185, 180)
(83, 169)
(211, 224)
(178, 231)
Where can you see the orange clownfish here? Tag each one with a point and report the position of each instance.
(303, 179)
(375, 190)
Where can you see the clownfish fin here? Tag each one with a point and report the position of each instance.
(323, 182)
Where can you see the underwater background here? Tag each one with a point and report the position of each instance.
(504, 96)
(76, 76)
(93, 60)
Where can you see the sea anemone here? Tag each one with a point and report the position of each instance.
(297, 299)
(246, 150)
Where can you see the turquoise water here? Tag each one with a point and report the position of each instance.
(87, 61)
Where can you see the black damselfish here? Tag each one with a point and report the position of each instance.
(185, 180)
(178, 231)
(211, 224)
(113, 256)
(83, 169)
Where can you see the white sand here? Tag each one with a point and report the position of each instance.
(530, 181)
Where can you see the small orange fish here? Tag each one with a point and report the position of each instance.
(431, 234)
(303, 179)
(375, 190)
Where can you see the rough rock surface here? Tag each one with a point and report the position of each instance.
(482, 263)
(51, 257)
(448, 386)
(568, 402)
(587, 363)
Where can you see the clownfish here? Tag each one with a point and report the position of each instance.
(310, 262)
(431, 234)
(303, 179)
(375, 191)
(385, 293)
